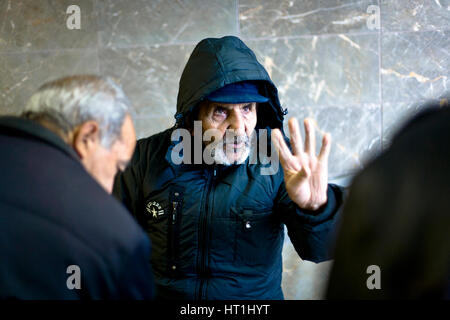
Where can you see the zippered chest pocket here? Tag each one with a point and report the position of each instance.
(164, 212)
(258, 237)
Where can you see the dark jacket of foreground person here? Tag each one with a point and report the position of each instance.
(217, 232)
(398, 218)
(53, 215)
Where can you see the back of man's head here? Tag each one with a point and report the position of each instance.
(65, 103)
(93, 116)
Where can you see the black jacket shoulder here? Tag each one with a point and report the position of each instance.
(55, 215)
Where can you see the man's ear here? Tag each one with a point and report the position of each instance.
(86, 138)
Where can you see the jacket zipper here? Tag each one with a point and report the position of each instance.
(174, 218)
(174, 212)
(173, 221)
(204, 233)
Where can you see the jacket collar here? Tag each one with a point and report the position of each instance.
(17, 126)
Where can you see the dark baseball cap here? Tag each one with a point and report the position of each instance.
(238, 92)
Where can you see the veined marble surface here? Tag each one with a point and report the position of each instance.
(415, 65)
(298, 17)
(143, 22)
(23, 72)
(357, 82)
(149, 75)
(330, 70)
(30, 25)
(415, 15)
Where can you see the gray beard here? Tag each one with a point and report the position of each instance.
(219, 154)
(220, 157)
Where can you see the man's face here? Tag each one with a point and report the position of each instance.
(235, 124)
(103, 163)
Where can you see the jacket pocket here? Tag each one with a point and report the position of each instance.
(258, 237)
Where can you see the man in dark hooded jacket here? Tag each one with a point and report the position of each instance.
(217, 227)
(62, 235)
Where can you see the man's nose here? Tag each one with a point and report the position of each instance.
(236, 123)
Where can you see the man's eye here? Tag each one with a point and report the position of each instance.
(247, 108)
(220, 110)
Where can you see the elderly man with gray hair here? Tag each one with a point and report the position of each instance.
(62, 235)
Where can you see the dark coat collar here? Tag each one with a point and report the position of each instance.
(17, 126)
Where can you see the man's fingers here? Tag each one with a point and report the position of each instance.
(296, 139)
(281, 147)
(325, 149)
(310, 139)
(280, 144)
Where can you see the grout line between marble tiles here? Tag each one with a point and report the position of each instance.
(193, 43)
(153, 45)
(368, 105)
(306, 36)
(97, 11)
(412, 31)
(238, 22)
(9, 52)
(363, 33)
(380, 78)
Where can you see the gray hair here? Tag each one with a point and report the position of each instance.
(71, 101)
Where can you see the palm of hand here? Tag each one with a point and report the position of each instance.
(305, 174)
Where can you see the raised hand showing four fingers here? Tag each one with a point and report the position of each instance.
(305, 174)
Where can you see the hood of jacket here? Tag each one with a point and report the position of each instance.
(216, 62)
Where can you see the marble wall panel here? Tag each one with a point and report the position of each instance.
(303, 280)
(415, 69)
(42, 24)
(148, 126)
(266, 18)
(24, 73)
(142, 22)
(355, 132)
(149, 75)
(332, 70)
(396, 114)
(415, 15)
(415, 66)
